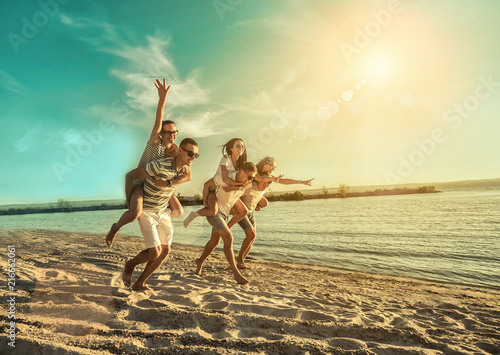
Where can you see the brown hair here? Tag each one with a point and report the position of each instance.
(228, 148)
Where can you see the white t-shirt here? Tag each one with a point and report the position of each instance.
(252, 196)
(226, 200)
(228, 163)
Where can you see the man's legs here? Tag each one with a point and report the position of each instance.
(246, 246)
(227, 237)
(151, 267)
(144, 256)
(157, 231)
(209, 248)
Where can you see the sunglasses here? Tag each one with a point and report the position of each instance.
(271, 163)
(170, 133)
(191, 154)
(250, 177)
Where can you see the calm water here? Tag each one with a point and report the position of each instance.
(449, 236)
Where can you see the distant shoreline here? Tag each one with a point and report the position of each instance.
(65, 206)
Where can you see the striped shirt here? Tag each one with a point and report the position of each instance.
(156, 198)
(151, 153)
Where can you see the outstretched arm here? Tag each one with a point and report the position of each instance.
(160, 110)
(271, 178)
(292, 181)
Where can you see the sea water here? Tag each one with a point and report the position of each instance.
(449, 236)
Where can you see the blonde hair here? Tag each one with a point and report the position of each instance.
(260, 164)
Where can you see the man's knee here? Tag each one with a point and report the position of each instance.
(226, 236)
(165, 250)
(155, 252)
(250, 233)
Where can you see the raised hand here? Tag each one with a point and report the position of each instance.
(171, 151)
(162, 88)
(159, 182)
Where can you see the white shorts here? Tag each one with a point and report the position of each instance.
(156, 229)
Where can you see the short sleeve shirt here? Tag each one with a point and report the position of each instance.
(228, 163)
(156, 198)
(252, 196)
(226, 200)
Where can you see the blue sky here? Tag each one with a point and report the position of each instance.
(361, 93)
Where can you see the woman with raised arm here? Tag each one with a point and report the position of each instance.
(160, 145)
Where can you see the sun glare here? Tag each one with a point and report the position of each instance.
(379, 66)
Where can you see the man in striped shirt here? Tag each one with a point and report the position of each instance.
(162, 177)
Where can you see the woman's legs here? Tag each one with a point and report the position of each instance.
(211, 210)
(176, 209)
(131, 215)
(239, 211)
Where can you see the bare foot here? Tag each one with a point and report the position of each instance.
(110, 237)
(143, 287)
(189, 218)
(243, 266)
(127, 274)
(199, 266)
(241, 280)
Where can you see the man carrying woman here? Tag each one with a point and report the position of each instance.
(253, 199)
(160, 145)
(155, 222)
(225, 201)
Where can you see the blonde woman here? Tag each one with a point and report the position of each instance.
(254, 200)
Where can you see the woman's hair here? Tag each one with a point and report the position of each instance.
(248, 167)
(260, 164)
(168, 122)
(228, 149)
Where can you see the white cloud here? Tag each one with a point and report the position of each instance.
(28, 141)
(203, 125)
(141, 65)
(9, 83)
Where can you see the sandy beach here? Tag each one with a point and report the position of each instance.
(70, 299)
